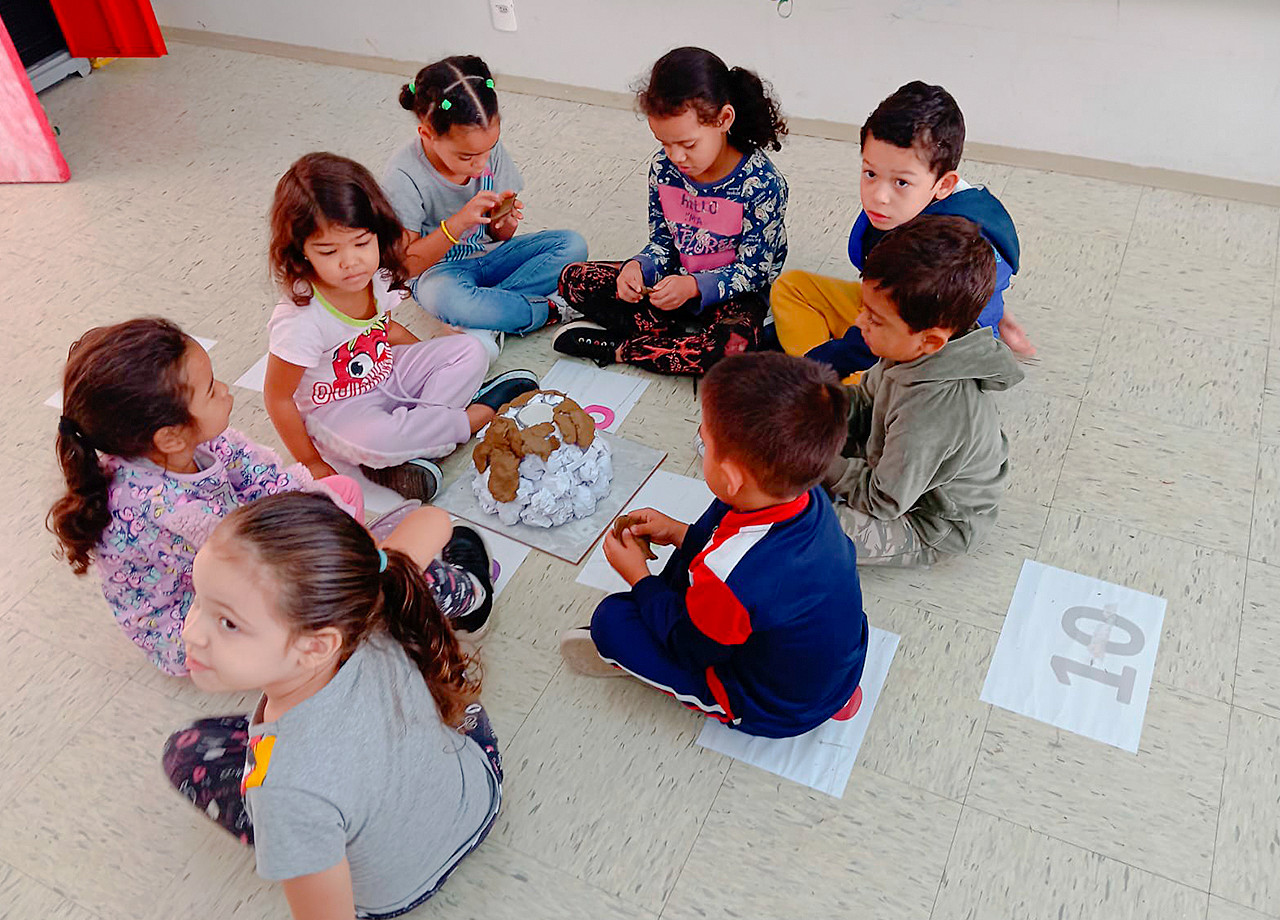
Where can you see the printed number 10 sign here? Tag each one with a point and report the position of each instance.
(1077, 653)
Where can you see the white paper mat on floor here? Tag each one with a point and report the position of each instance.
(681, 497)
(55, 398)
(823, 758)
(1078, 653)
(253, 378)
(606, 396)
(633, 463)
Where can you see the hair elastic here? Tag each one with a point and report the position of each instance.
(446, 104)
(382, 561)
(489, 83)
(412, 88)
(444, 228)
(69, 429)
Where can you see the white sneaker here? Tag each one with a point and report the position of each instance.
(491, 339)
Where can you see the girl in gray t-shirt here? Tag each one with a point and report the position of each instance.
(368, 769)
(454, 189)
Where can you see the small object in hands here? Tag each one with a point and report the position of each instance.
(646, 291)
(502, 208)
(622, 523)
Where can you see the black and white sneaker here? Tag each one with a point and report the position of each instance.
(417, 478)
(497, 391)
(587, 340)
(466, 550)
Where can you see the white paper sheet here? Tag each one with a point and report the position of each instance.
(253, 378)
(1078, 653)
(681, 497)
(823, 758)
(606, 396)
(55, 398)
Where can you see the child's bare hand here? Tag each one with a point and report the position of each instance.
(473, 213)
(672, 292)
(631, 282)
(658, 527)
(319, 469)
(626, 556)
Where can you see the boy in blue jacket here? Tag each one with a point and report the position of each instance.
(911, 147)
(757, 618)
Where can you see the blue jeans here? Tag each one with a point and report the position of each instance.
(504, 289)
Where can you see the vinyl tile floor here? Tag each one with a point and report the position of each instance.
(1145, 448)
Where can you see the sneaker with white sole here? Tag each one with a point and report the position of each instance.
(587, 340)
(497, 391)
(417, 478)
(467, 551)
(580, 654)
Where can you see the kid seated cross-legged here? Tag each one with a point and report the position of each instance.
(926, 462)
(757, 618)
(911, 147)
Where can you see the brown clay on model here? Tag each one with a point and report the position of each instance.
(505, 444)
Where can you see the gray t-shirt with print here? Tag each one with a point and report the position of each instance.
(366, 769)
(422, 197)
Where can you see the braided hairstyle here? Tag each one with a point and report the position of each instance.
(695, 78)
(327, 569)
(122, 384)
(456, 91)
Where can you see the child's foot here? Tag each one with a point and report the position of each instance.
(579, 653)
(1013, 335)
(559, 311)
(587, 340)
(497, 391)
(466, 550)
(418, 478)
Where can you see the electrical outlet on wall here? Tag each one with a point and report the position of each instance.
(503, 14)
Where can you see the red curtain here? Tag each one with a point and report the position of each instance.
(109, 28)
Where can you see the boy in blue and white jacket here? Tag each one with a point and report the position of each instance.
(757, 618)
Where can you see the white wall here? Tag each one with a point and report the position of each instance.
(1189, 85)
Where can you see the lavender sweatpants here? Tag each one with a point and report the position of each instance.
(418, 412)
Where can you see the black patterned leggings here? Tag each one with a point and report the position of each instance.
(664, 341)
(205, 762)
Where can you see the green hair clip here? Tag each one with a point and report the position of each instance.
(412, 88)
(446, 105)
(489, 83)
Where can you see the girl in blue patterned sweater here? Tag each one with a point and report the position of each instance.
(700, 289)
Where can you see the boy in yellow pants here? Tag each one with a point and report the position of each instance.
(911, 146)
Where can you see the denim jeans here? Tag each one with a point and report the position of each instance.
(504, 289)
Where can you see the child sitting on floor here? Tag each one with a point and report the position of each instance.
(926, 462)
(454, 190)
(911, 147)
(368, 770)
(343, 378)
(700, 289)
(757, 618)
(151, 468)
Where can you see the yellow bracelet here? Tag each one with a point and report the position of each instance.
(444, 228)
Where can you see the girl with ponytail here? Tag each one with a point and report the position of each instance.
(454, 189)
(717, 240)
(368, 769)
(151, 468)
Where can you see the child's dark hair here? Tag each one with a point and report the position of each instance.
(923, 117)
(783, 417)
(456, 91)
(328, 570)
(695, 78)
(324, 188)
(121, 385)
(938, 271)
